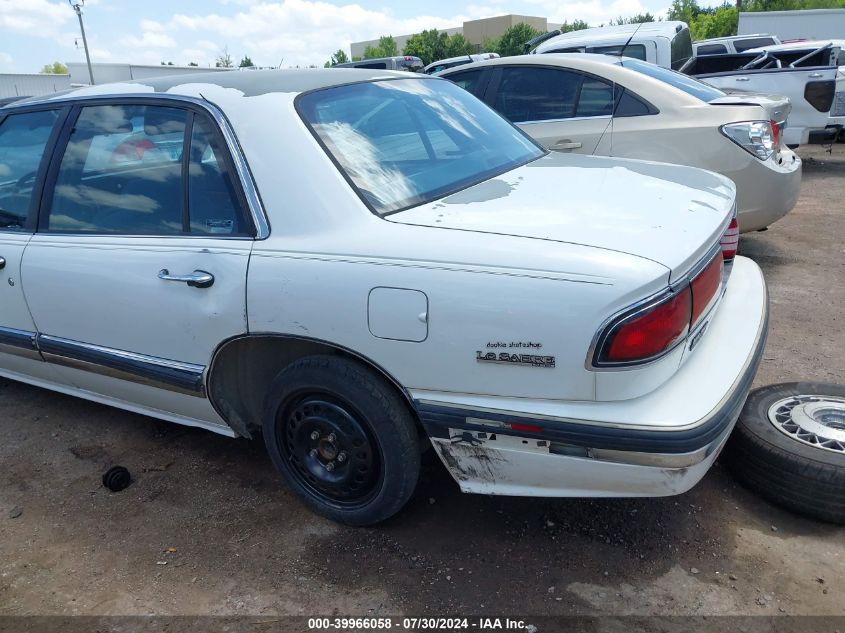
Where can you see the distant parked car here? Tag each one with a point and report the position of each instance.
(733, 44)
(612, 106)
(402, 62)
(451, 62)
(351, 264)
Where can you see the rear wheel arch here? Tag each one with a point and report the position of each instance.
(243, 369)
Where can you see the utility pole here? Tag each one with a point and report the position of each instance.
(77, 6)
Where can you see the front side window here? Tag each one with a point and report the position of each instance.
(693, 87)
(23, 139)
(637, 51)
(405, 142)
(595, 99)
(537, 94)
(124, 171)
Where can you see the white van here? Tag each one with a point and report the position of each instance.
(733, 44)
(666, 44)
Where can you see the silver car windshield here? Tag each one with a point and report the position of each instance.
(405, 142)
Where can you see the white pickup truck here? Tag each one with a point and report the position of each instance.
(810, 88)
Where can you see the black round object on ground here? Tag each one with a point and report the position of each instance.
(789, 446)
(343, 438)
(117, 478)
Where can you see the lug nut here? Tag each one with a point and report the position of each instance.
(341, 458)
(332, 437)
(315, 435)
(330, 466)
(313, 452)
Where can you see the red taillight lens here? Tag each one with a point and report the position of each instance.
(730, 241)
(649, 333)
(775, 134)
(704, 287)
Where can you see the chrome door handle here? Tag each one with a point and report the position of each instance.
(815, 75)
(197, 279)
(2, 263)
(566, 145)
(742, 78)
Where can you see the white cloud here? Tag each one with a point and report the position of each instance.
(6, 62)
(34, 17)
(147, 41)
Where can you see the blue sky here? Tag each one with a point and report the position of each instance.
(272, 33)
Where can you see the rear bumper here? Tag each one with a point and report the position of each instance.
(659, 444)
(766, 191)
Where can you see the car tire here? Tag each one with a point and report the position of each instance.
(343, 438)
(789, 446)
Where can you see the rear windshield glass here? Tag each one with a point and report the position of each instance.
(691, 86)
(406, 142)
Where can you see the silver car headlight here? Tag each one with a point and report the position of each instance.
(754, 137)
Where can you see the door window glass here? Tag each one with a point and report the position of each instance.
(23, 138)
(637, 51)
(537, 94)
(214, 205)
(122, 172)
(630, 105)
(753, 42)
(468, 80)
(596, 98)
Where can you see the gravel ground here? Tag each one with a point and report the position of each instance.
(207, 527)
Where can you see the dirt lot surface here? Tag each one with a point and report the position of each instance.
(208, 528)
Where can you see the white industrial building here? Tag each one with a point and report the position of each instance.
(807, 24)
(34, 85)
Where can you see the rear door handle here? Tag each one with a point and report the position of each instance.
(742, 78)
(197, 279)
(566, 144)
(815, 75)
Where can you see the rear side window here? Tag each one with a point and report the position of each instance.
(752, 42)
(469, 80)
(125, 171)
(23, 138)
(631, 105)
(711, 49)
(537, 94)
(681, 48)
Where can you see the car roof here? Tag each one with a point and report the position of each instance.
(731, 38)
(250, 83)
(601, 34)
(582, 61)
(792, 46)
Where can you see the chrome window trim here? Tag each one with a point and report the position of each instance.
(248, 186)
(187, 378)
(564, 120)
(649, 302)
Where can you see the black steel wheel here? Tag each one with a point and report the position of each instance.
(343, 439)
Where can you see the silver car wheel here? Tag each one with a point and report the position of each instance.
(818, 421)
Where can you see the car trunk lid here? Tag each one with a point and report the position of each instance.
(669, 214)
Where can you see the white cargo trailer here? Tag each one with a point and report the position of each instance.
(806, 24)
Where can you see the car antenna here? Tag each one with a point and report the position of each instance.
(621, 52)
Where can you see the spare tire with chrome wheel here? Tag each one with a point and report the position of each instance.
(343, 438)
(789, 446)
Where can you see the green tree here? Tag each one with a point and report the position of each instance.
(640, 18)
(458, 45)
(429, 46)
(489, 45)
(386, 47)
(167, 63)
(513, 40)
(56, 68)
(193, 64)
(339, 57)
(246, 62)
(576, 25)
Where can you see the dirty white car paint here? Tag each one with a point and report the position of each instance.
(485, 308)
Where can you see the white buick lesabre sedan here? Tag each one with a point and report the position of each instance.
(619, 106)
(353, 263)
